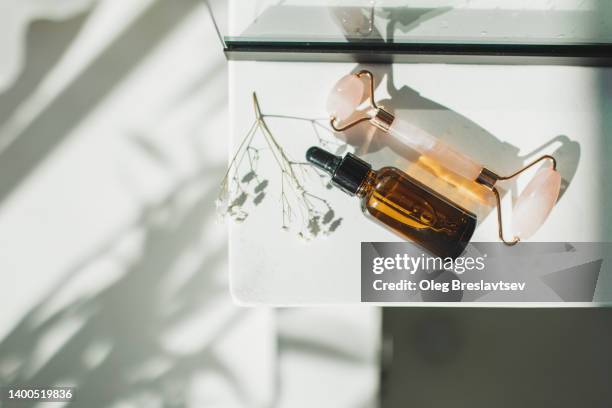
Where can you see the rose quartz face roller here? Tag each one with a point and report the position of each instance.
(533, 205)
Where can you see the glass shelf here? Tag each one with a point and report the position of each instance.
(535, 31)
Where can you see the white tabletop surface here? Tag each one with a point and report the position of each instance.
(498, 114)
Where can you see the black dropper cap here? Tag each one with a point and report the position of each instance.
(347, 173)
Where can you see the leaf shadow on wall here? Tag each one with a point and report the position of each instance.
(124, 324)
(31, 142)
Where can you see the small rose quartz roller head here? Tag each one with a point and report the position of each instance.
(533, 205)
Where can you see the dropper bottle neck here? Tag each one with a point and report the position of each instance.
(348, 173)
(367, 185)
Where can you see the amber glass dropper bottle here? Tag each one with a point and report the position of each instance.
(401, 203)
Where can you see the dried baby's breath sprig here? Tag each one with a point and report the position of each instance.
(313, 214)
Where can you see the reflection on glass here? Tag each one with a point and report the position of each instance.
(473, 22)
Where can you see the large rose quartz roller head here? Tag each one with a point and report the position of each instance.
(534, 203)
(345, 97)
